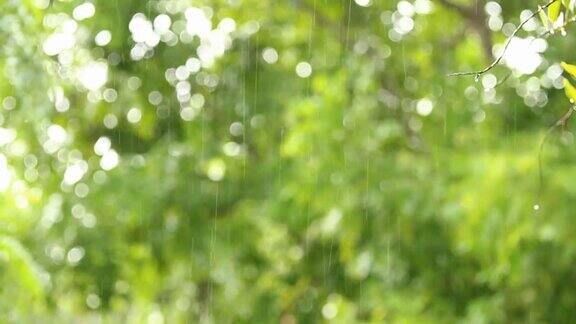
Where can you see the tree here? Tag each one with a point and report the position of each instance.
(293, 161)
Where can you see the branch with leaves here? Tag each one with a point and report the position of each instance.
(559, 14)
(552, 13)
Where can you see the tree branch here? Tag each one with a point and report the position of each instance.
(462, 10)
(562, 122)
(477, 21)
(561, 28)
(477, 74)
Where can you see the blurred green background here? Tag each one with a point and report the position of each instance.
(283, 161)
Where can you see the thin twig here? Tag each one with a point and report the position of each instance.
(553, 30)
(477, 74)
(506, 77)
(562, 122)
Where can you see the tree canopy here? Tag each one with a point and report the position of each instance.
(292, 161)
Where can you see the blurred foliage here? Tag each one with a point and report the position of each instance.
(296, 161)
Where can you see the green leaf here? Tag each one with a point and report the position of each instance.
(543, 18)
(570, 90)
(569, 68)
(554, 11)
